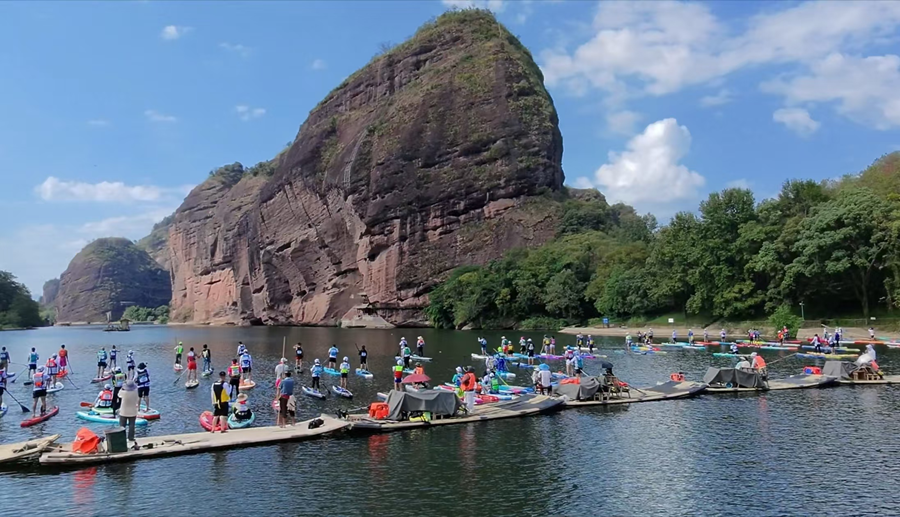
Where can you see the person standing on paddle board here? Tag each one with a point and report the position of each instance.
(207, 358)
(112, 358)
(33, 358)
(691, 336)
(285, 390)
(316, 372)
(281, 368)
(552, 344)
(332, 357)
(246, 367)
(530, 350)
(407, 354)
(398, 374)
(590, 342)
(483, 343)
(363, 358)
(420, 347)
(179, 349)
(221, 394)
(102, 356)
(457, 378)
(3, 377)
(63, 358)
(345, 372)
(118, 382)
(192, 365)
(234, 375)
(39, 390)
(241, 348)
(4, 359)
(706, 335)
(298, 355)
(52, 369)
(129, 363)
(402, 343)
(142, 376)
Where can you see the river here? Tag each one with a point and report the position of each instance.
(802, 452)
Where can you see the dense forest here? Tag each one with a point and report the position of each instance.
(832, 245)
(17, 309)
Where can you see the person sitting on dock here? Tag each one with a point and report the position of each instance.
(241, 409)
(420, 346)
(398, 374)
(221, 395)
(101, 361)
(345, 371)
(105, 397)
(363, 358)
(316, 372)
(742, 364)
(142, 377)
(246, 367)
(179, 349)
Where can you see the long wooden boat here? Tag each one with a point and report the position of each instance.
(666, 391)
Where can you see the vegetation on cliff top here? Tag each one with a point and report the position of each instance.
(832, 245)
(17, 309)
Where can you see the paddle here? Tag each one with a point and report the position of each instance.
(24, 409)
(73, 382)
(86, 404)
(19, 375)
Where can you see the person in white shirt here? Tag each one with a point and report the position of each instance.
(280, 369)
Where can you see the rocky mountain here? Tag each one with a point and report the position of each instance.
(436, 154)
(108, 275)
(156, 244)
(50, 291)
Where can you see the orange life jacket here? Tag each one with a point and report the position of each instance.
(51, 363)
(38, 380)
(468, 382)
(106, 395)
(759, 363)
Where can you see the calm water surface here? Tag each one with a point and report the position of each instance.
(808, 452)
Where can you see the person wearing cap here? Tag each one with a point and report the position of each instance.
(241, 348)
(420, 346)
(105, 398)
(316, 372)
(129, 363)
(280, 368)
(363, 358)
(234, 375)
(743, 364)
(221, 393)
(39, 389)
(128, 408)
(345, 371)
(536, 379)
(530, 350)
(285, 390)
(118, 382)
(398, 374)
(298, 356)
(142, 379)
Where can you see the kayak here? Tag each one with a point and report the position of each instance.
(191, 384)
(178, 367)
(244, 386)
(312, 393)
(364, 373)
(99, 418)
(54, 388)
(106, 376)
(234, 423)
(52, 412)
(206, 373)
(206, 420)
(343, 392)
(331, 371)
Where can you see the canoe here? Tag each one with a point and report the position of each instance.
(234, 423)
(342, 392)
(178, 367)
(54, 388)
(107, 418)
(23, 450)
(312, 393)
(206, 420)
(524, 406)
(366, 374)
(665, 391)
(52, 412)
(191, 384)
(248, 385)
(788, 383)
(193, 443)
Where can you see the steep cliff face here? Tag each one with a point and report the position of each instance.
(156, 244)
(430, 157)
(108, 275)
(50, 291)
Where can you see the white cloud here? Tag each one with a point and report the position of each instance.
(246, 113)
(138, 224)
(494, 5)
(174, 32)
(657, 48)
(54, 189)
(738, 183)
(723, 97)
(318, 64)
(648, 172)
(622, 122)
(98, 122)
(865, 89)
(155, 116)
(237, 48)
(797, 120)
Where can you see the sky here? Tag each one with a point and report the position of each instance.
(110, 112)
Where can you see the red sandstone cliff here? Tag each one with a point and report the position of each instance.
(430, 157)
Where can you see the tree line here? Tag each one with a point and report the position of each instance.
(832, 245)
(17, 308)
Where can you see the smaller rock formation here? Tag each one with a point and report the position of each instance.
(50, 291)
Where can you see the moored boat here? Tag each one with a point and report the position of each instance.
(604, 391)
(850, 373)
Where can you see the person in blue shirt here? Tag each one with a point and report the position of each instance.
(285, 390)
(674, 336)
(33, 358)
(483, 343)
(332, 356)
(246, 367)
(142, 379)
(734, 348)
(101, 361)
(129, 363)
(316, 372)
(457, 378)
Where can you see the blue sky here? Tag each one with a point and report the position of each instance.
(111, 111)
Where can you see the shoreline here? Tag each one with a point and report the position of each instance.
(666, 332)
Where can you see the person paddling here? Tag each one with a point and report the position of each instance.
(398, 374)
(246, 366)
(102, 356)
(179, 349)
(63, 358)
(332, 357)
(207, 359)
(129, 363)
(105, 398)
(3, 377)
(33, 358)
(420, 347)
(39, 390)
(407, 354)
(280, 368)
(234, 374)
(298, 355)
(128, 403)
(112, 358)
(316, 372)
(221, 395)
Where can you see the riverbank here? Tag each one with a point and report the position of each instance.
(666, 331)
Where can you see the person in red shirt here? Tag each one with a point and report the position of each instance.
(192, 365)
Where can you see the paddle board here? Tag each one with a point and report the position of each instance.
(331, 371)
(52, 412)
(415, 358)
(507, 375)
(206, 419)
(54, 388)
(246, 385)
(105, 377)
(312, 393)
(91, 416)
(206, 373)
(178, 367)
(364, 373)
(343, 392)
(191, 384)
(3, 410)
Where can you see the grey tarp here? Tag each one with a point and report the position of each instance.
(737, 378)
(838, 369)
(439, 403)
(583, 391)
